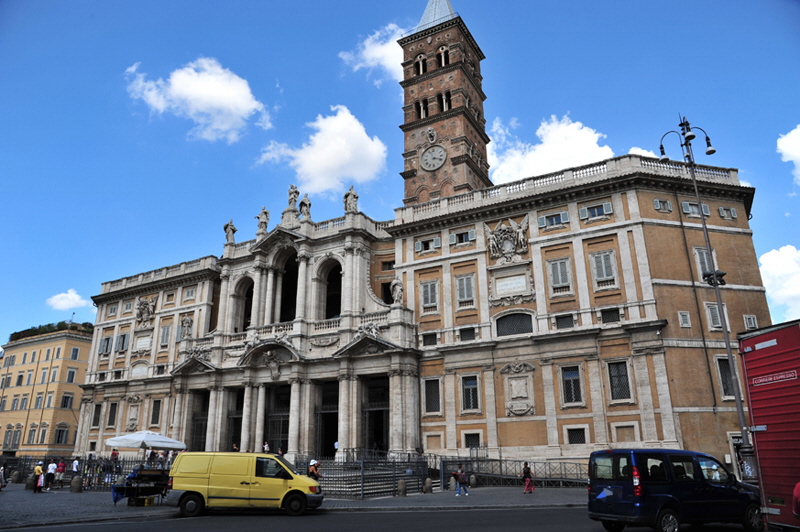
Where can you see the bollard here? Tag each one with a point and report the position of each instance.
(428, 486)
(30, 482)
(15, 477)
(452, 483)
(472, 481)
(401, 488)
(76, 484)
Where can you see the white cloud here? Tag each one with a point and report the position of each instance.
(380, 54)
(641, 151)
(68, 300)
(562, 144)
(218, 101)
(338, 150)
(780, 270)
(789, 148)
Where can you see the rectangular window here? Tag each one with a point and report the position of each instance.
(429, 339)
(469, 392)
(38, 403)
(595, 211)
(76, 352)
(554, 220)
(188, 294)
(32, 436)
(2, 404)
(430, 300)
(24, 404)
(58, 352)
(559, 276)
(43, 436)
(101, 377)
(96, 415)
(684, 319)
(122, 342)
(714, 317)
(750, 322)
(432, 398)
(428, 244)
(71, 372)
(662, 205)
(105, 345)
(160, 370)
(54, 375)
(127, 307)
(47, 355)
(692, 209)
(49, 402)
(20, 378)
(15, 403)
(155, 415)
(112, 310)
(565, 321)
(29, 378)
(24, 357)
(725, 377)
(387, 266)
(62, 434)
(610, 315)
(603, 263)
(466, 295)
(462, 237)
(618, 380)
(727, 213)
(44, 376)
(576, 436)
(472, 440)
(165, 331)
(66, 401)
(704, 261)
(571, 382)
(466, 334)
(112, 414)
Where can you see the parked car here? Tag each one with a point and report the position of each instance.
(664, 488)
(239, 480)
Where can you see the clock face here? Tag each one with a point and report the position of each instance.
(433, 158)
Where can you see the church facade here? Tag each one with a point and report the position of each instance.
(540, 319)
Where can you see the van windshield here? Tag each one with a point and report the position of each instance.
(287, 464)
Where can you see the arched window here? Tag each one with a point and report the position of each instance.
(420, 65)
(518, 323)
(330, 290)
(243, 305)
(443, 56)
(421, 108)
(448, 101)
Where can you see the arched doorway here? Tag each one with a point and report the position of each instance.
(330, 290)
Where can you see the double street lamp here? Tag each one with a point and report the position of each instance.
(715, 278)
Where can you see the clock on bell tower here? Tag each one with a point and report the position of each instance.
(444, 126)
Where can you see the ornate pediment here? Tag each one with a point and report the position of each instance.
(194, 364)
(366, 343)
(278, 238)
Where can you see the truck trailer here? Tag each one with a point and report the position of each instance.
(771, 362)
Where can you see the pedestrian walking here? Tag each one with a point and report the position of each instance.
(461, 481)
(527, 476)
(51, 473)
(313, 470)
(38, 477)
(61, 468)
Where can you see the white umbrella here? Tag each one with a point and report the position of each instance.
(144, 439)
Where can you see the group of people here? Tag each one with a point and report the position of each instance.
(235, 449)
(55, 474)
(462, 479)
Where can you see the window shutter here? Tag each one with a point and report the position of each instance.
(669, 205)
(542, 221)
(598, 266)
(733, 212)
(686, 207)
(452, 238)
(607, 209)
(472, 234)
(657, 204)
(713, 314)
(722, 212)
(609, 269)
(437, 242)
(583, 213)
(706, 210)
(417, 246)
(564, 217)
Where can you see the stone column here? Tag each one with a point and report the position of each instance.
(103, 408)
(491, 407)
(223, 325)
(245, 439)
(450, 413)
(211, 422)
(302, 282)
(550, 405)
(278, 295)
(344, 410)
(294, 417)
(643, 390)
(261, 408)
(396, 410)
(664, 399)
(177, 413)
(347, 282)
(594, 372)
(269, 303)
(83, 425)
(412, 410)
(257, 314)
(308, 422)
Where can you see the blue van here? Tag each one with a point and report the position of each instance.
(663, 488)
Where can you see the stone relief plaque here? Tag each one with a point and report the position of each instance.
(139, 371)
(510, 285)
(518, 386)
(142, 342)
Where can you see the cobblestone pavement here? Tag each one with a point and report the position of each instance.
(21, 508)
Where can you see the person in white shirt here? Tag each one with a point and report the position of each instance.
(51, 473)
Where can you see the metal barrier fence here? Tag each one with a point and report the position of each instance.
(97, 474)
(366, 478)
(496, 472)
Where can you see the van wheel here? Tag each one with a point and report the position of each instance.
(295, 504)
(192, 505)
(752, 520)
(613, 526)
(667, 521)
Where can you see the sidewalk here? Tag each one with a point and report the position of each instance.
(21, 508)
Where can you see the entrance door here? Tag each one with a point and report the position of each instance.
(327, 434)
(376, 415)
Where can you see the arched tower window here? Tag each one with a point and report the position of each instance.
(443, 56)
(447, 102)
(420, 65)
(421, 108)
(330, 290)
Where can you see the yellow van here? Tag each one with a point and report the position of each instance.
(239, 480)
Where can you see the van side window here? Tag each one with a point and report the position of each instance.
(266, 467)
(611, 468)
(713, 470)
(651, 468)
(683, 467)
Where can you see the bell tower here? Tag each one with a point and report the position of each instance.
(444, 127)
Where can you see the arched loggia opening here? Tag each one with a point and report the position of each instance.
(243, 305)
(330, 290)
(288, 286)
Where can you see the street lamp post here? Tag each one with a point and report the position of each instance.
(715, 278)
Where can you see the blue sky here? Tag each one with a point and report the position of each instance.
(133, 130)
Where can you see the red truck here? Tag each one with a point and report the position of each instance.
(771, 361)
